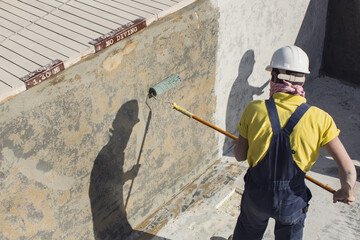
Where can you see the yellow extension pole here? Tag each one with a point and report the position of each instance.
(190, 115)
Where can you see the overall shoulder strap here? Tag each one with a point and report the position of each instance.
(273, 115)
(295, 117)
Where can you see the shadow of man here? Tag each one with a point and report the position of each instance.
(240, 95)
(108, 177)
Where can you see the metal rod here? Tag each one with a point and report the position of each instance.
(183, 111)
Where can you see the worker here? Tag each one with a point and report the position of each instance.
(281, 138)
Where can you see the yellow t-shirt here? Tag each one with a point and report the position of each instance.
(314, 130)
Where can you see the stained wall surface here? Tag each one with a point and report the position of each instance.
(85, 156)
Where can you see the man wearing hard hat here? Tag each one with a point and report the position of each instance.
(281, 139)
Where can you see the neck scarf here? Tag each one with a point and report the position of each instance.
(286, 87)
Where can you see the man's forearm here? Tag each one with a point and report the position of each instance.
(241, 149)
(347, 172)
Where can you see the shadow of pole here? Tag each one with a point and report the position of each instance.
(142, 146)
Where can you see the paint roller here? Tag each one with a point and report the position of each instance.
(165, 85)
(174, 80)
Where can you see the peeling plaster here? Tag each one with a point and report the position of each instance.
(113, 62)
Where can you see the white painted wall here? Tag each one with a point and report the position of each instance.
(250, 31)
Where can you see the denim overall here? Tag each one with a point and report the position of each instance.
(275, 187)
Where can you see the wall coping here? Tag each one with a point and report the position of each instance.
(25, 48)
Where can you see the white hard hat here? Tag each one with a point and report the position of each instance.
(290, 58)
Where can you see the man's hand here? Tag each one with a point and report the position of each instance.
(135, 170)
(131, 174)
(344, 196)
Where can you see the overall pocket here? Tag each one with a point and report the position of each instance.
(290, 211)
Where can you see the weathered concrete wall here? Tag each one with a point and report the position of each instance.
(83, 156)
(250, 31)
(342, 42)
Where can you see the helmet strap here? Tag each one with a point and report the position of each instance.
(294, 78)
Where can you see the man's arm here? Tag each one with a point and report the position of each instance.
(347, 172)
(131, 174)
(241, 148)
